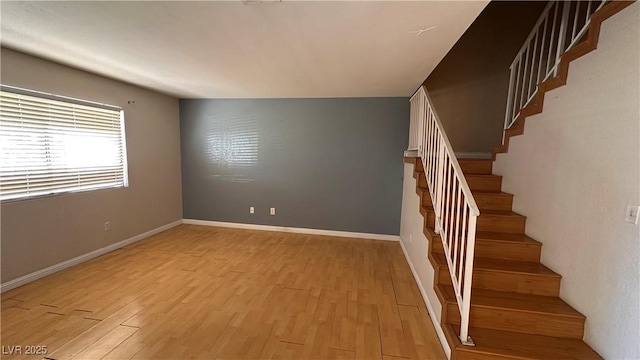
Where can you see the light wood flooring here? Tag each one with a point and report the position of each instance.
(197, 292)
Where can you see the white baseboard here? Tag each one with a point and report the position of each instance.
(82, 258)
(436, 325)
(473, 155)
(293, 230)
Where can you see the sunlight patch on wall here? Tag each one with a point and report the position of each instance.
(232, 143)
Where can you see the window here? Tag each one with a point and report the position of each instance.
(51, 144)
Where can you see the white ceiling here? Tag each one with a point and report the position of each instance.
(245, 49)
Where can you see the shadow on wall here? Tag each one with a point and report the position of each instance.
(469, 87)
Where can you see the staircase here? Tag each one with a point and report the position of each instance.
(498, 301)
(515, 309)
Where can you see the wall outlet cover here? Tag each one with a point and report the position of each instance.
(631, 215)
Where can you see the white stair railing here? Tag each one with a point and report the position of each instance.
(560, 27)
(455, 208)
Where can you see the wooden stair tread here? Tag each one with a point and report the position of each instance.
(505, 237)
(489, 193)
(501, 213)
(473, 160)
(483, 176)
(511, 266)
(514, 301)
(477, 192)
(487, 212)
(524, 346)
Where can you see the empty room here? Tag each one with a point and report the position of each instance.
(374, 180)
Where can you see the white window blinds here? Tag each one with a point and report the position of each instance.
(51, 144)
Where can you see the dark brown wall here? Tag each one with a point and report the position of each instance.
(469, 86)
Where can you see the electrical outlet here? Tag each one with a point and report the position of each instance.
(272, 211)
(410, 237)
(107, 225)
(632, 214)
(251, 210)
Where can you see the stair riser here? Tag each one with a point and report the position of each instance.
(504, 224)
(508, 251)
(491, 223)
(484, 183)
(425, 198)
(498, 250)
(431, 219)
(506, 281)
(422, 180)
(485, 201)
(494, 202)
(483, 167)
(519, 321)
(475, 167)
(476, 183)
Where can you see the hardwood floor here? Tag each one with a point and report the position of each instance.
(197, 292)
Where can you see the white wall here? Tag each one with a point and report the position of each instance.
(416, 247)
(574, 171)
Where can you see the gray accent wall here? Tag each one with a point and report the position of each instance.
(332, 164)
